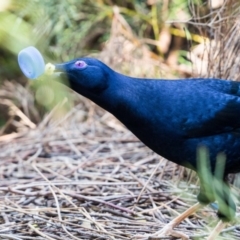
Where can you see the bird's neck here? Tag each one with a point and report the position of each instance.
(118, 92)
(120, 88)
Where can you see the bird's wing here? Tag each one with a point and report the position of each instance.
(220, 115)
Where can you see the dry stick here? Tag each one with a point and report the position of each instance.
(8, 236)
(5, 218)
(36, 154)
(61, 183)
(69, 114)
(155, 207)
(7, 124)
(68, 233)
(39, 232)
(22, 211)
(19, 113)
(217, 230)
(167, 207)
(49, 116)
(53, 193)
(11, 136)
(141, 182)
(58, 208)
(79, 196)
(55, 174)
(56, 220)
(50, 187)
(86, 214)
(68, 228)
(161, 206)
(153, 172)
(57, 203)
(69, 142)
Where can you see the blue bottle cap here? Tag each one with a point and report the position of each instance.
(31, 62)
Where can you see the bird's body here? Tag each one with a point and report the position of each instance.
(172, 117)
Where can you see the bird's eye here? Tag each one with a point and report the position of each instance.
(80, 64)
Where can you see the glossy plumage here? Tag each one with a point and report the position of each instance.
(172, 117)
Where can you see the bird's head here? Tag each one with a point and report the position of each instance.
(87, 74)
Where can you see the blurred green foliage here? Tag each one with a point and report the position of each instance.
(214, 185)
(63, 30)
(66, 29)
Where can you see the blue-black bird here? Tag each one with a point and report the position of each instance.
(174, 118)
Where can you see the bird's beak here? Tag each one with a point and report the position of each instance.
(61, 67)
(59, 70)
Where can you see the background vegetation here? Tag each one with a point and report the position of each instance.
(154, 38)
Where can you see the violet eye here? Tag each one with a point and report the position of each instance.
(80, 64)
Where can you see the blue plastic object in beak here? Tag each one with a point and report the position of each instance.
(31, 62)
